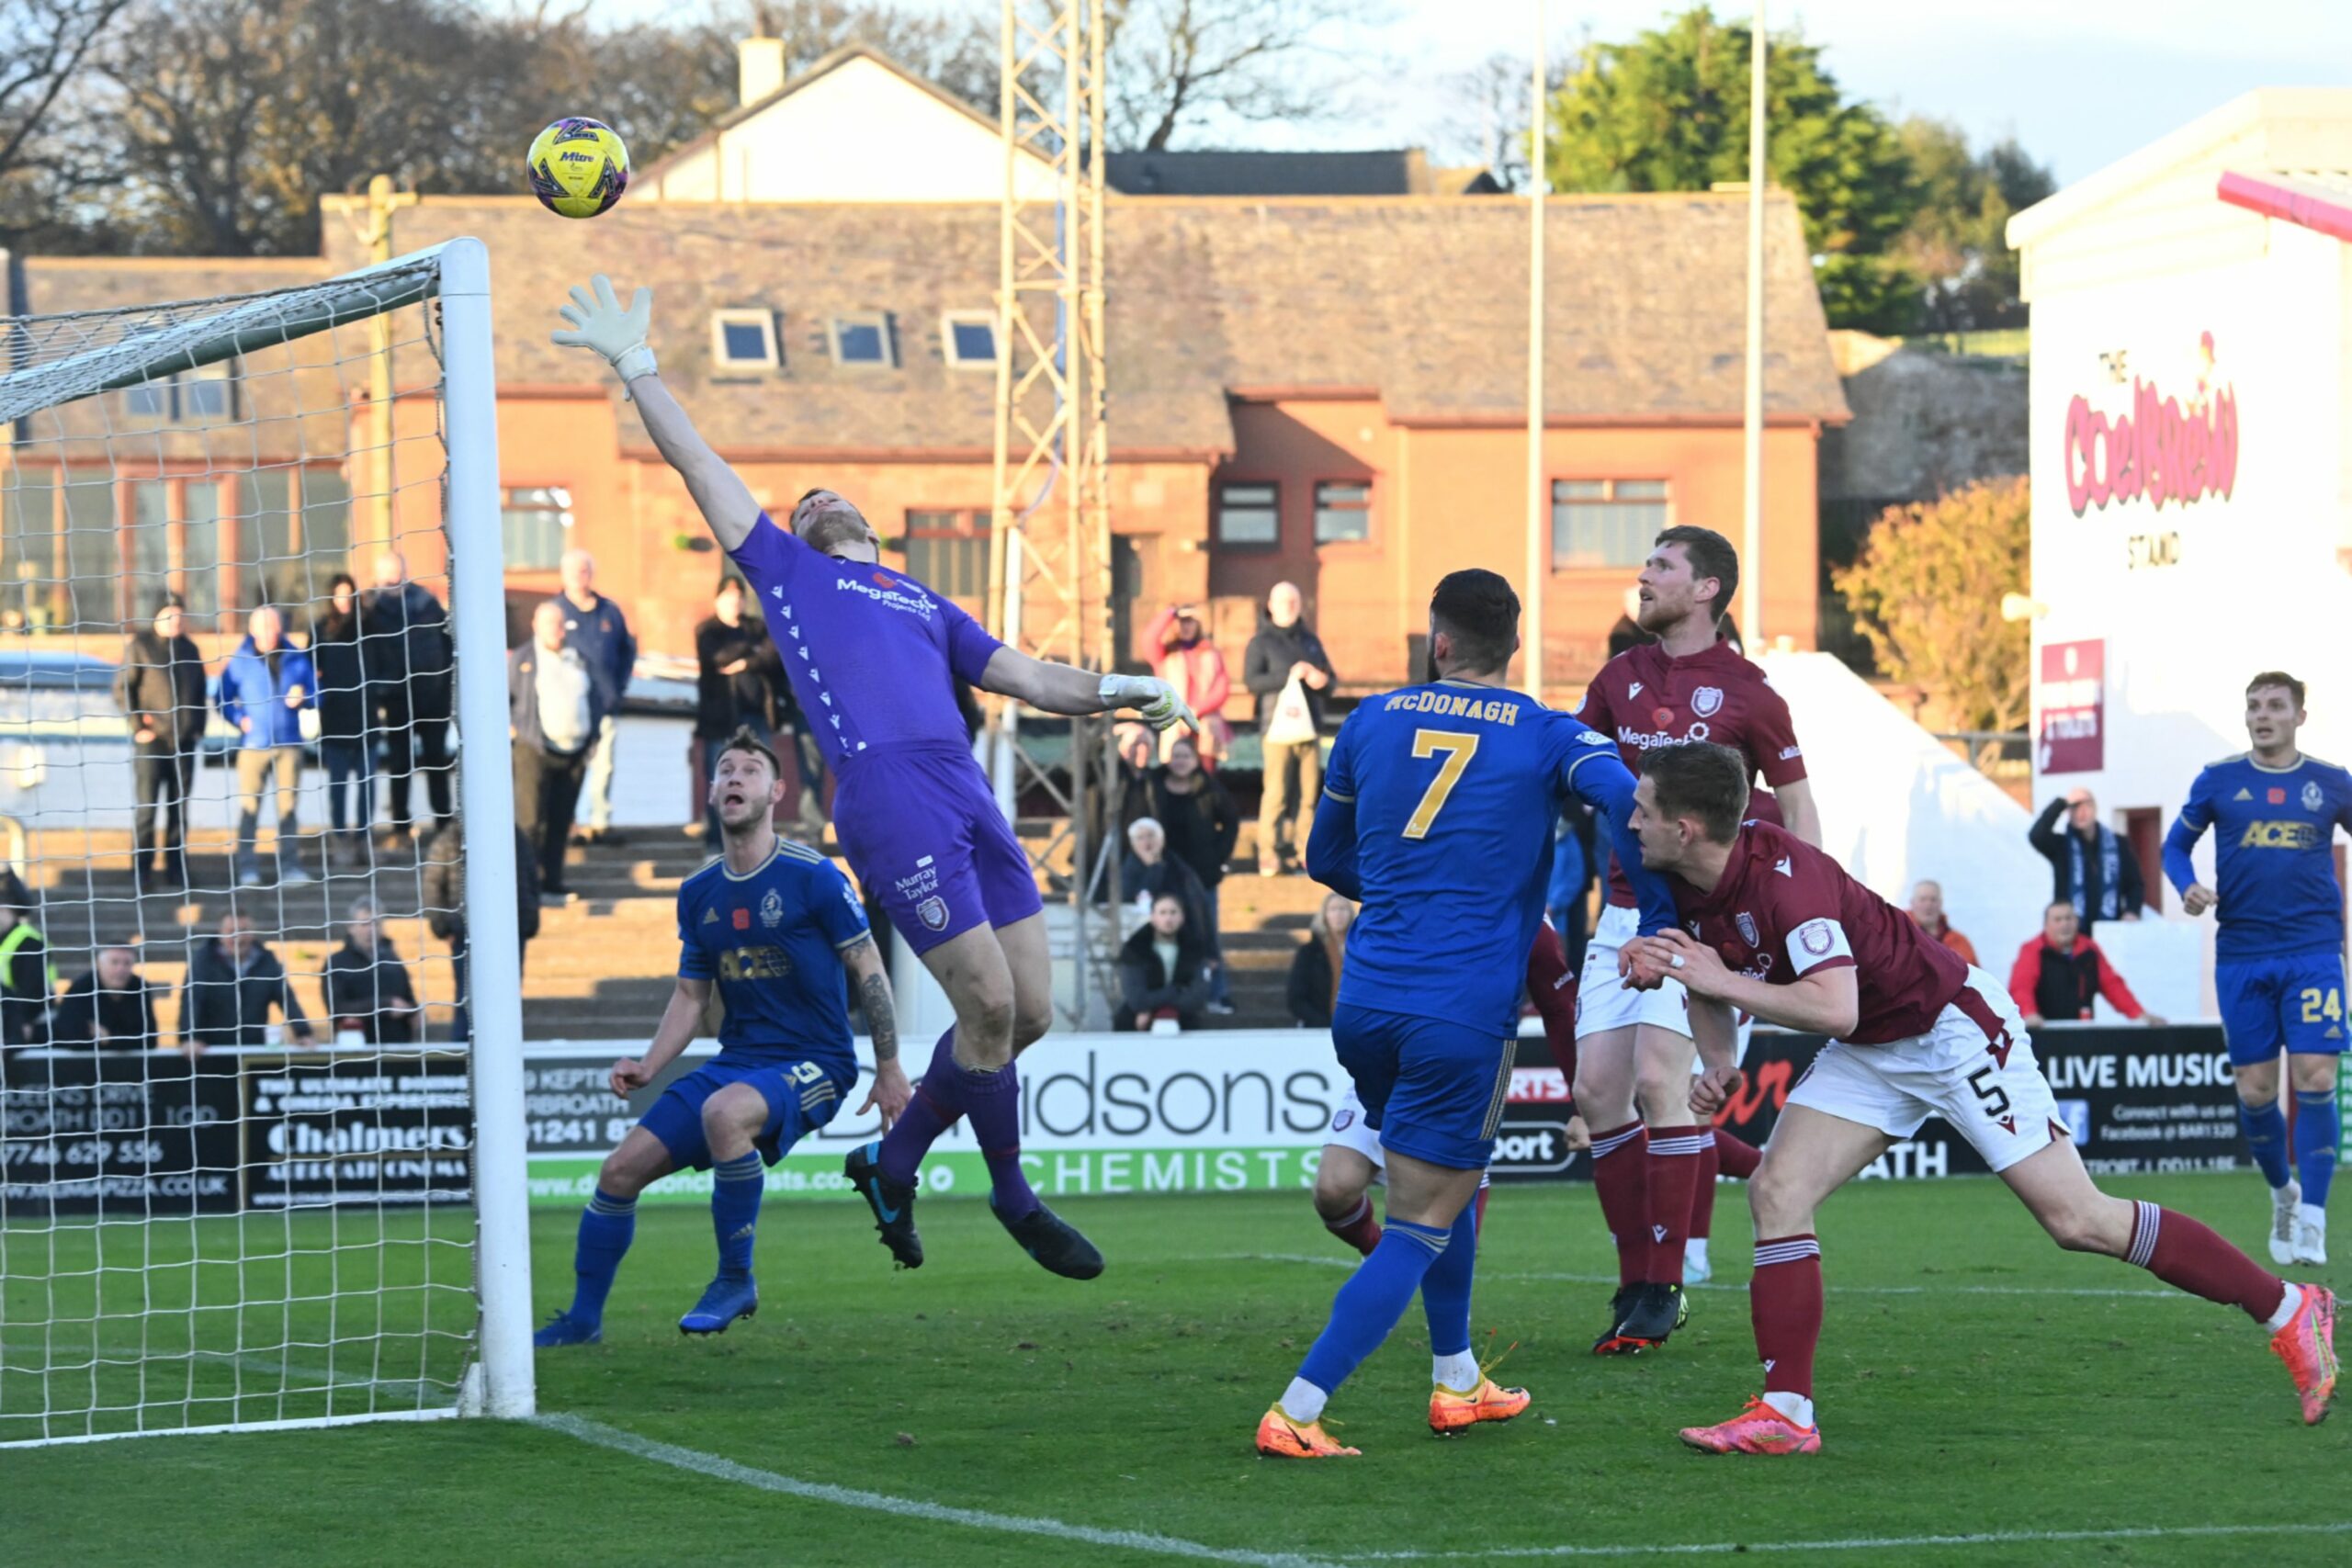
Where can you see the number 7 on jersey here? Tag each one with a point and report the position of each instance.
(1458, 746)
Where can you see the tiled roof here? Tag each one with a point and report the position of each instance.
(1387, 172)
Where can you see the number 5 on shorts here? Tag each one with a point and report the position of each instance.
(1459, 747)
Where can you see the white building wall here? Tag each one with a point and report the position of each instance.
(860, 132)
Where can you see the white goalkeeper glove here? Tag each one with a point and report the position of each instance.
(1154, 699)
(618, 334)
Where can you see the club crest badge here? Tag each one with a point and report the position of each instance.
(1707, 701)
(2313, 798)
(1746, 923)
(771, 909)
(1343, 1120)
(933, 913)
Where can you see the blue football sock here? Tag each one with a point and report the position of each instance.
(1445, 1289)
(606, 1227)
(2318, 1126)
(992, 1103)
(735, 1193)
(1372, 1301)
(2266, 1139)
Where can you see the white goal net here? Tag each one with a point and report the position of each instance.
(260, 1015)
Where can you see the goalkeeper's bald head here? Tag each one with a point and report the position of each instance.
(832, 527)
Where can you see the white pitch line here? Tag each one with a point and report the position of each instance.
(1869, 1544)
(719, 1469)
(1321, 1260)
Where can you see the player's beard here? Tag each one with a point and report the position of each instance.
(832, 528)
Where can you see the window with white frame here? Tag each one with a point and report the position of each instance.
(1342, 514)
(864, 339)
(969, 338)
(190, 397)
(536, 526)
(1606, 523)
(1249, 514)
(744, 339)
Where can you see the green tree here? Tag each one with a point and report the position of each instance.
(1955, 250)
(1668, 111)
(1927, 591)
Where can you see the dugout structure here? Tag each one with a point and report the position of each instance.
(297, 1227)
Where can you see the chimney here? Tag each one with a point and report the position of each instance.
(759, 69)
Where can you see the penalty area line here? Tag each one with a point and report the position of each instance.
(719, 1469)
(1862, 1543)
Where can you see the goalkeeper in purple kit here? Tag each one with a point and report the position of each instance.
(873, 656)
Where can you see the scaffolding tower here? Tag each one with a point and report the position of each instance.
(1049, 541)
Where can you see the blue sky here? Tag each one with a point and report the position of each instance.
(2080, 82)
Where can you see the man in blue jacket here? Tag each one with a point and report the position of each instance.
(263, 690)
(594, 625)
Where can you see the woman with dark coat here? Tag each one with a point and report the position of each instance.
(347, 746)
(1196, 814)
(1163, 971)
(1314, 969)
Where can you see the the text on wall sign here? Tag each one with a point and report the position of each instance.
(2160, 452)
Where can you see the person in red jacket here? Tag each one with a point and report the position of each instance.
(2059, 972)
(1185, 657)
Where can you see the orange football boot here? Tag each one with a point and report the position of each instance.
(1279, 1437)
(2308, 1347)
(1451, 1412)
(1758, 1429)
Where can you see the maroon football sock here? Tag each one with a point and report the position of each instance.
(1674, 1156)
(1784, 1304)
(2189, 1256)
(1360, 1229)
(1620, 1178)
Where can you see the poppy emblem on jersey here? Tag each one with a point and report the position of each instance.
(1662, 716)
(2278, 796)
(1706, 700)
(2312, 796)
(771, 909)
(1746, 923)
(882, 580)
(933, 913)
(742, 920)
(1343, 1120)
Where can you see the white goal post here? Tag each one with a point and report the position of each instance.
(293, 1193)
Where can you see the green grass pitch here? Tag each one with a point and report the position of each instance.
(1974, 1382)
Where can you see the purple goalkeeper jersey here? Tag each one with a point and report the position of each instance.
(870, 651)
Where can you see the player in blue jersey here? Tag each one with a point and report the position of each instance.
(1437, 813)
(874, 658)
(2278, 956)
(779, 934)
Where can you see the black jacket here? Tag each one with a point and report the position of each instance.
(1200, 827)
(25, 984)
(1265, 669)
(220, 1007)
(1171, 875)
(1146, 986)
(128, 1016)
(336, 663)
(407, 641)
(722, 701)
(1310, 984)
(2049, 834)
(163, 688)
(443, 855)
(360, 985)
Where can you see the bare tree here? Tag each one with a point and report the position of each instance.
(42, 46)
(1176, 64)
(954, 50)
(1487, 116)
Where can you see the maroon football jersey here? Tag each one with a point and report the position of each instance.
(1643, 699)
(1784, 909)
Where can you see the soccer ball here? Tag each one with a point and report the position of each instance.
(579, 167)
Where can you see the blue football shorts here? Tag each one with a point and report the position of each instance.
(2295, 1000)
(801, 1096)
(1432, 1088)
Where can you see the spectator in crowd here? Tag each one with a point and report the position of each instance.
(1163, 970)
(443, 856)
(1628, 633)
(405, 644)
(264, 688)
(26, 980)
(1315, 968)
(367, 987)
(1202, 827)
(1189, 662)
(1148, 871)
(111, 1008)
(737, 671)
(2091, 867)
(162, 692)
(1928, 909)
(232, 982)
(1290, 673)
(553, 714)
(347, 746)
(597, 628)
(2058, 972)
